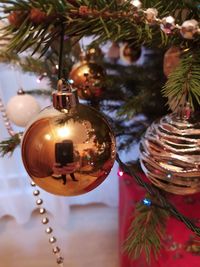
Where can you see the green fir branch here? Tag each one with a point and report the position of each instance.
(40, 92)
(183, 83)
(114, 21)
(147, 232)
(9, 145)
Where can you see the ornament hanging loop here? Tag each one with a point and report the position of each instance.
(60, 85)
(61, 52)
(64, 98)
(20, 91)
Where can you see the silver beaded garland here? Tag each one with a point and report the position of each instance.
(45, 220)
(56, 250)
(33, 184)
(42, 210)
(36, 193)
(52, 240)
(188, 29)
(60, 260)
(5, 119)
(39, 202)
(48, 230)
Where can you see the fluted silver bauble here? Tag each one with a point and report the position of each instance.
(170, 154)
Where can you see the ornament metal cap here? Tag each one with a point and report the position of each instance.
(20, 92)
(65, 97)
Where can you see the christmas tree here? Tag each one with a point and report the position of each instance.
(137, 95)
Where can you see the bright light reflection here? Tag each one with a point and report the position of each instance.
(120, 173)
(64, 131)
(47, 137)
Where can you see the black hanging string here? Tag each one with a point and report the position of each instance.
(61, 52)
(165, 204)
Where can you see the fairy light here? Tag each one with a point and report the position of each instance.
(120, 173)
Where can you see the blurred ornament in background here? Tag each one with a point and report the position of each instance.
(22, 108)
(189, 28)
(72, 146)
(114, 52)
(88, 76)
(136, 4)
(130, 53)
(168, 24)
(171, 60)
(151, 15)
(170, 153)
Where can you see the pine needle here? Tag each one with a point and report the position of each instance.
(9, 145)
(146, 232)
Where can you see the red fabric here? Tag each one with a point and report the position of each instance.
(177, 249)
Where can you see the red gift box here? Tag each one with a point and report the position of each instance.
(179, 247)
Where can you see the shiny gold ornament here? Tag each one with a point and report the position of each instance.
(88, 77)
(170, 154)
(69, 150)
(129, 53)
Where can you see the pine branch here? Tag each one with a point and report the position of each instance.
(183, 83)
(39, 92)
(27, 63)
(147, 232)
(105, 21)
(9, 145)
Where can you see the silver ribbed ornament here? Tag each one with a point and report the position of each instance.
(170, 154)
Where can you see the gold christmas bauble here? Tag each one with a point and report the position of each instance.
(170, 154)
(68, 152)
(88, 78)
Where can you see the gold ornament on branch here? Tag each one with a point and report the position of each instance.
(88, 77)
(170, 153)
(69, 149)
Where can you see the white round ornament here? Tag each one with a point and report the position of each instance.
(22, 108)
